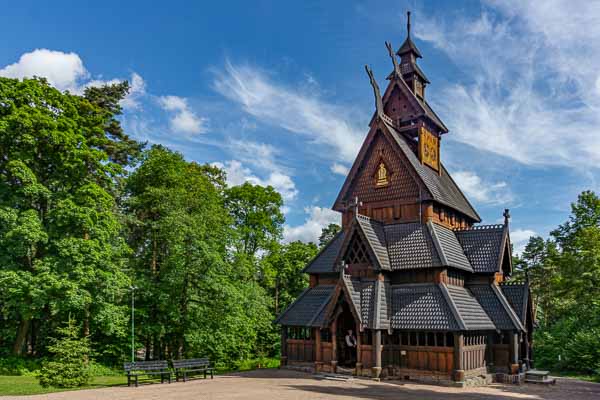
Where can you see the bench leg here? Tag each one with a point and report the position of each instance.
(185, 376)
(136, 381)
(204, 374)
(169, 377)
(128, 380)
(211, 374)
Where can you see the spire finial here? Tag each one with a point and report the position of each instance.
(506, 215)
(408, 22)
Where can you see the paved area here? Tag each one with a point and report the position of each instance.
(291, 385)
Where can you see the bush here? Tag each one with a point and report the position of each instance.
(69, 365)
(19, 366)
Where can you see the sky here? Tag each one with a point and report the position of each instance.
(275, 92)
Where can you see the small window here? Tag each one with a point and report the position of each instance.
(422, 339)
(449, 339)
(325, 335)
(404, 338)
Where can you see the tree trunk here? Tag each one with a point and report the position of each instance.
(21, 336)
(277, 296)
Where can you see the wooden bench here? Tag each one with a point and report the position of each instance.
(184, 367)
(149, 368)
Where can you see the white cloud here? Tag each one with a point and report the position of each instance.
(532, 95)
(238, 174)
(298, 110)
(519, 239)
(64, 71)
(310, 230)
(183, 119)
(339, 169)
(483, 192)
(259, 155)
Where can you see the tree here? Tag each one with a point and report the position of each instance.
(191, 301)
(61, 158)
(257, 223)
(328, 233)
(69, 366)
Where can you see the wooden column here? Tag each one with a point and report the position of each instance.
(284, 334)
(358, 350)
(514, 353)
(334, 356)
(318, 354)
(377, 354)
(459, 370)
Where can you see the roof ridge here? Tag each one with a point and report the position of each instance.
(480, 228)
(436, 242)
(459, 319)
(508, 308)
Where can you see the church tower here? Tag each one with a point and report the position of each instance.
(411, 273)
(398, 175)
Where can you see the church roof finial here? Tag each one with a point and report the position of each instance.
(408, 46)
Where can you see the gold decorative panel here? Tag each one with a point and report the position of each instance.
(429, 149)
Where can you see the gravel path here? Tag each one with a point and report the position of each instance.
(291, 385)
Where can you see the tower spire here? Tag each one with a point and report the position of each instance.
(408, 23)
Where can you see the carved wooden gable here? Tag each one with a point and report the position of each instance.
(398, 106)
(383, 176)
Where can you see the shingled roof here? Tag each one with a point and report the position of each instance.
(374, 233)
(308, 309)
(448, 247)
(484, 246)
(441, 186)
(470, 313)
(496, 306)
(410, 246)
(517, 295)
(421, 307)
(324, 261)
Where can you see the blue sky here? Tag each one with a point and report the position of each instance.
(275, 91)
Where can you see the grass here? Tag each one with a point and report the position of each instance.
(15, 385)
(23, 385)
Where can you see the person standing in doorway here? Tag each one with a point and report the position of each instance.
(350, 348)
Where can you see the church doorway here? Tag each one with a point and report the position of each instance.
(345, 324)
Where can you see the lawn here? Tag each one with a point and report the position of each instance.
(22, 385)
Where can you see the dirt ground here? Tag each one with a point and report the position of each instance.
(291, 385)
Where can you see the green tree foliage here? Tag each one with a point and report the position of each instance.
(191, 301)
(564, 272)
(69, 365)
(328, 233)
(61, 251)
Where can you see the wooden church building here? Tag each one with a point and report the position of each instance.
(420, 282)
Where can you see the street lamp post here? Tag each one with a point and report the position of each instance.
(132, 288)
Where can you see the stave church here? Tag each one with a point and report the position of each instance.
(422, 285)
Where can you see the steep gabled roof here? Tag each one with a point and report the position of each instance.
(448, 247)
(407, 47)
(485, 246)
(496, 306)
(308, 309)
(325, 259)
(439, 187)
(371, 232)
(470, 311)
(517, 295)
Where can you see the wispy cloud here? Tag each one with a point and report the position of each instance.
(300, 110)
(183, 119)
(310, 230)
(483, 192)
(531, 93)
(238, 173)
(339, 169)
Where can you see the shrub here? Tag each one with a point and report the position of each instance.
(69, 365)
